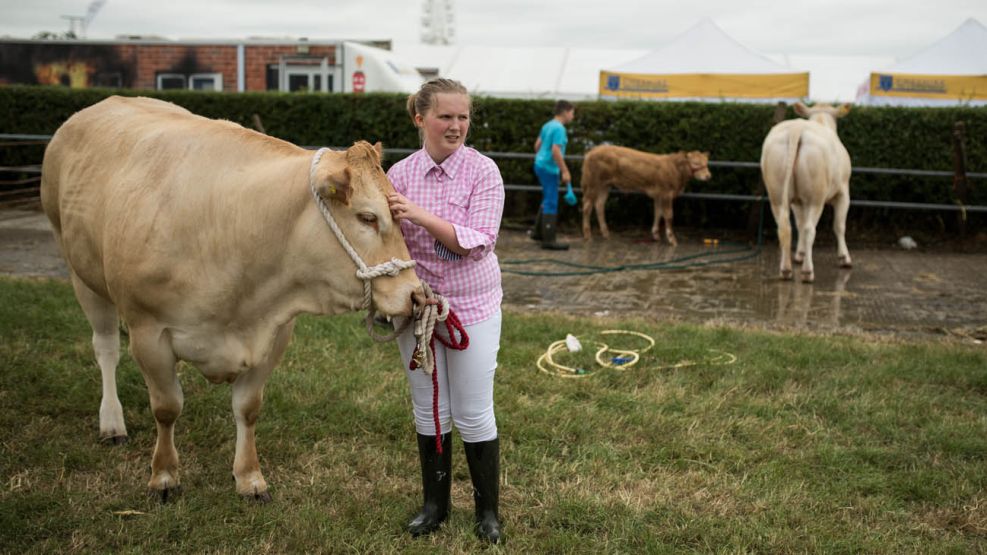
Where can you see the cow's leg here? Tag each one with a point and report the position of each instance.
(587, 214)
(248, 396)
(102, 316)
(151, 348)
(841, 205)
(600, 205)
(666, 208)
(811, 214)
(656, 226)
(799, 213)
(781, 215)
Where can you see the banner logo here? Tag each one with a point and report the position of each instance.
(911, 84)
(885, 82)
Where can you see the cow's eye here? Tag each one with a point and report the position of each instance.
(367, 218)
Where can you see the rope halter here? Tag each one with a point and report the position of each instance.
(365, 273)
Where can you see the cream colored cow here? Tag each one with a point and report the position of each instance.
(805, 167)
(206, 239)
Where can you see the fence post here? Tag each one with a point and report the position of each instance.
(960, 190)
(754, 217)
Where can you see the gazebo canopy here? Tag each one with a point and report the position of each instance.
(951, 71)
(704, 63)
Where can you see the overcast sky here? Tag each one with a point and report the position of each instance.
(894, 28)
(839, 41)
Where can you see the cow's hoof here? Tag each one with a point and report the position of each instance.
(114, 440)
(845, 262)
(262, 497)
(786, 275)
(808, 277)
(167, 494)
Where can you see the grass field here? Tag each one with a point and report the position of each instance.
(804, 444)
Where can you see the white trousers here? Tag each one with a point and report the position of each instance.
(466, 381)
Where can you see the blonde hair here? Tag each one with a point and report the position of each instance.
(423, 100)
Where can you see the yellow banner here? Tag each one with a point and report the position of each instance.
(962, 87)
(710, 85)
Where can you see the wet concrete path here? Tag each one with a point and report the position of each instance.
(889, 291)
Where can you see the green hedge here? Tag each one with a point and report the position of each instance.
(911, 138)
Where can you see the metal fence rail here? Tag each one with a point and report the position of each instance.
(37, 139)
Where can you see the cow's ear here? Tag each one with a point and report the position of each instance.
(844, 110)
(337, 186)
(380, 151)
(801, 109)
(706, 154)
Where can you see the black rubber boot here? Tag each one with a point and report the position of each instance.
(484, 462)
(535, 232)
(548, 233)
(436, 484)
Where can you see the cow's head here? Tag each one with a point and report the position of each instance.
(699, 165)
(357, 187)
(823, 114)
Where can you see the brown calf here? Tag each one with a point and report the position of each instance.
(660, 176)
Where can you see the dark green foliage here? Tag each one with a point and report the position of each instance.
(909, 138)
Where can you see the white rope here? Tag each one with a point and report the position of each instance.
(425, 328)
(390, 268)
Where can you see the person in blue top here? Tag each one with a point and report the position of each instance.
(551, 170)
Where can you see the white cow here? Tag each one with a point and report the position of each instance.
(207, 240)
(805, 166)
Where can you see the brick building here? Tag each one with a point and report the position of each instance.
(159, 64)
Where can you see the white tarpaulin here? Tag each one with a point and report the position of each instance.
(574, 73)
(952, 71)
(369, 69)
(518, 72)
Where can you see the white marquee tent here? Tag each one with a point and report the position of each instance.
(704, 63)
(574, 73)
(952, 71)
(518, 72)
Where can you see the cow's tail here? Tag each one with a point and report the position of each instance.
(791, 159)
(49, 188)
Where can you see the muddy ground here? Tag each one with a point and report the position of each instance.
(922, 292)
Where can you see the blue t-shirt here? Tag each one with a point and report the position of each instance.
(552, 133)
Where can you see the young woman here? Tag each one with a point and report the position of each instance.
(449, 203)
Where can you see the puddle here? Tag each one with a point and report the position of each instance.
(887, 291)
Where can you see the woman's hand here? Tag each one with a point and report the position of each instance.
(403, 209)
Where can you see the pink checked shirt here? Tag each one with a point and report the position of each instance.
(467, 191)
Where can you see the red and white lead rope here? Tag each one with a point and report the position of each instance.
(425, 319)
(424, 354)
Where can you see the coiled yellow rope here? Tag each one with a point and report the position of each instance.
(548, 365)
